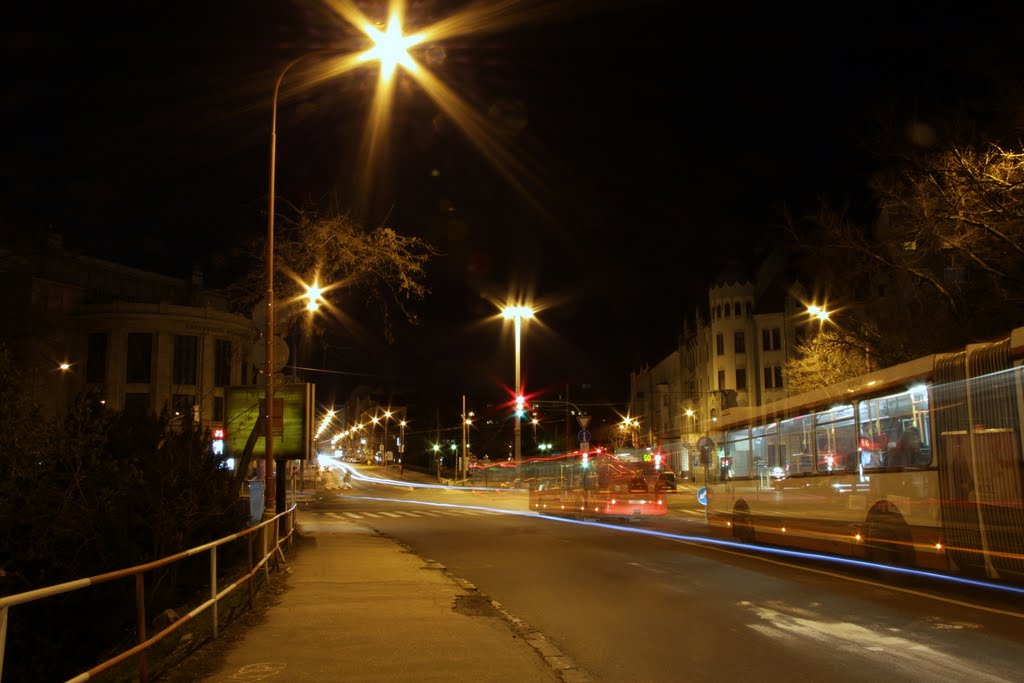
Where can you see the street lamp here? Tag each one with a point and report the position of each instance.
(373, 434)
(517, 314)
(629, 427)
(401, 440)
(384, 448)
(467, 422)
(390, 49)
(819, 312)
(313, 296)
(823, 315)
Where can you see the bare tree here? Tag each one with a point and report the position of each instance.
(346, 260)
(943, 264)
(824, 359)
(955, 225)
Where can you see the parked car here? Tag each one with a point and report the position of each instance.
(667, 480)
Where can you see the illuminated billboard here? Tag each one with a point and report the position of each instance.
(293, 420)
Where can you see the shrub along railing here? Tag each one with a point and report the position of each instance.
(268, 536)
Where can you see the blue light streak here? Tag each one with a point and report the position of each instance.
(696, 540)
(715, 542)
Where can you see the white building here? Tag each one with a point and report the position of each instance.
(732, 353)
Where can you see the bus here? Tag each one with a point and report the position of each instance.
(917, 465)
(652, 463)
(592, 485)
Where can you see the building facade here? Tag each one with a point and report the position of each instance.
(142, 340)
(733, 353)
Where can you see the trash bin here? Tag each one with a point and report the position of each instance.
(255, 500)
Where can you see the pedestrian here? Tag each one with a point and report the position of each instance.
(346, 481)
(906, 450)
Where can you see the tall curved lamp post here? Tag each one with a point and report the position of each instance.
(517, 314)
(390, 49)
(384, 447)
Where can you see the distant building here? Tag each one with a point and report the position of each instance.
(732, 353)
(144, 341)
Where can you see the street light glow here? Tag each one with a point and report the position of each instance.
(818, 312)
(391, 47)
(517, 312)
(313, 295)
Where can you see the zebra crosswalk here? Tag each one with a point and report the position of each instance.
(418, 513)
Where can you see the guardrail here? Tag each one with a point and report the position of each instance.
(272, 534)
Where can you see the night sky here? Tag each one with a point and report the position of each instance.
(653, 141)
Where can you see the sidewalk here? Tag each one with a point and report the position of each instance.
(361, 607)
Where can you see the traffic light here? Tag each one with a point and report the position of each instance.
(585, 463)
(657, 461)
(520, 401)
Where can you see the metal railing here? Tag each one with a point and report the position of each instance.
(272, 534)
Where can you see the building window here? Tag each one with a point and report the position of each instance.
(218, 408)
(185, 359)
(741, 379)
(750, 309)
(727, 310)
(771, 340)
(182, 405)
(718, 311)
(721, 380)
(139, 358)
(136, 404)
(720, 344)
(800, 336)
(222, 363)
(736, 309)
(740, 342)
(773, 377)
(96, 358)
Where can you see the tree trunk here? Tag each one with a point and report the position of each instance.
(242, 469)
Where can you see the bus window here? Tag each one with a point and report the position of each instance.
(737, 452)
(795, 437)
(890, 433)
(763, 448)
(835, 439)
(907, 450)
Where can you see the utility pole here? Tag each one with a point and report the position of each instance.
(462, 465)
(567, 404)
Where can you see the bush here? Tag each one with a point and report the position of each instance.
(93, 493)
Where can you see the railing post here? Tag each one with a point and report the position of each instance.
(277, 542)
(266, 542)
(213, 586)
(140, 613)
(3, 638)
(252, 578)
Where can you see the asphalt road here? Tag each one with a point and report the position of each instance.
(659, 601)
